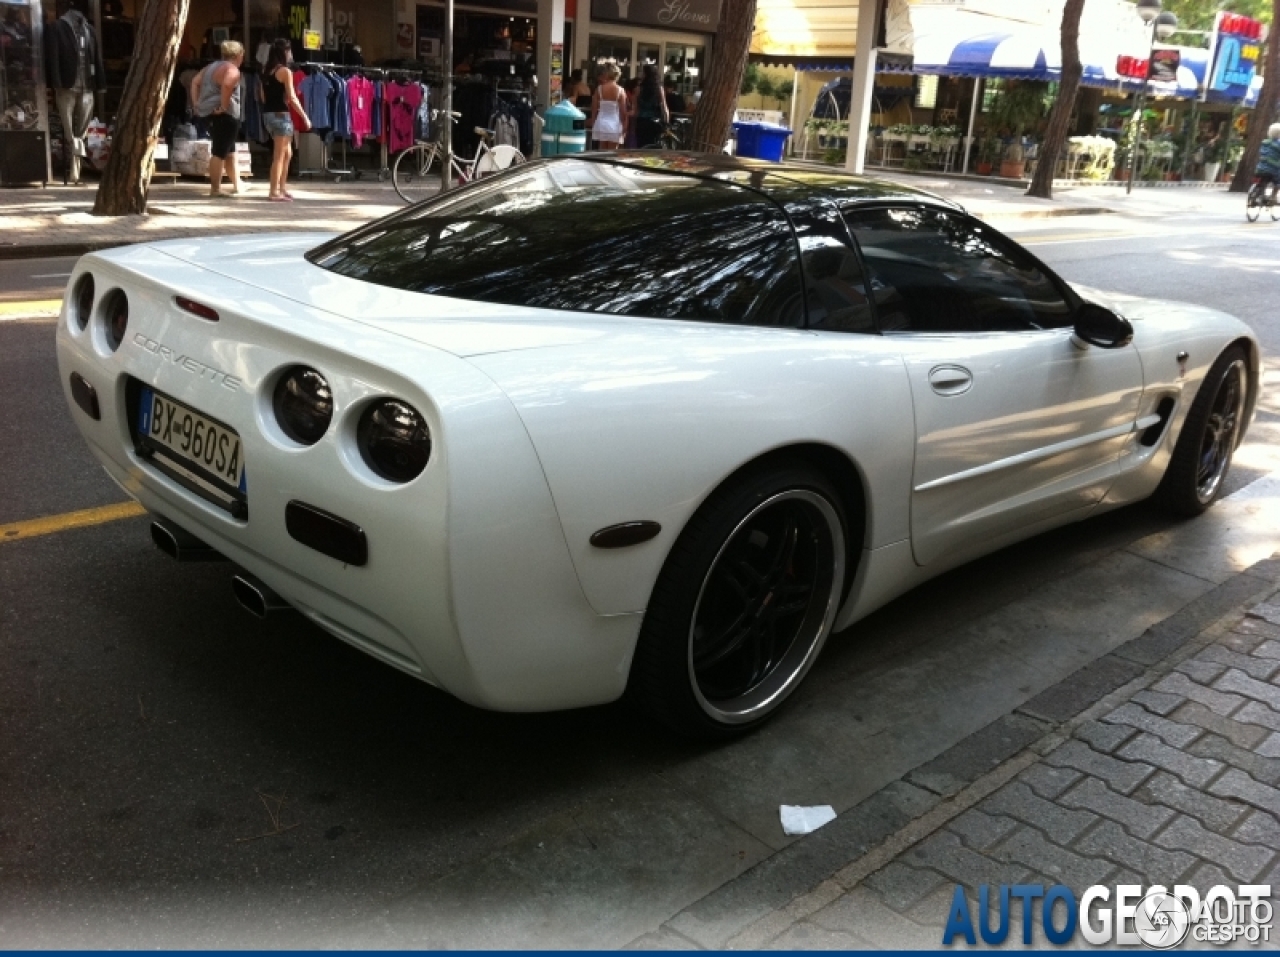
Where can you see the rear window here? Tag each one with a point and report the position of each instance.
(589, 237)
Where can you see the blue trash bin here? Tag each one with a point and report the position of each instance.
(748, 136)
(771, 141)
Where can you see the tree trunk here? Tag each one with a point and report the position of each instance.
(1055, 137)
(127, 177)
(1264, 114)
(714, 115)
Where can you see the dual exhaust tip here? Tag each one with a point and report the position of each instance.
(253, 595)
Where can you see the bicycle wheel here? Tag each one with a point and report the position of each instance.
(1274, 209)
(1253, 205)
(413, 175)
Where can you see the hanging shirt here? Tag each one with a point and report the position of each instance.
(422, 118)
(298, 77)
(375, 118)
(360, 106)
(404, 100)
(316, 94)
(341, 107)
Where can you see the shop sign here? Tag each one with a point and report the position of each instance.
(311, 39)
(1237, 49)
(299, 18)
(702, 16)
(1164, 65)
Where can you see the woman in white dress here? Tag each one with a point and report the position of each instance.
(608, 108)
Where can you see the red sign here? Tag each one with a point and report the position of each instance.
(1241, 26)
(1135, 68)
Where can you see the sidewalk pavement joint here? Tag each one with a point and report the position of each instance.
(1145, 766)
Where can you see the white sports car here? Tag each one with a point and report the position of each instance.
(652, 425)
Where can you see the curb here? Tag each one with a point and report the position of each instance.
(58, 250)
(756, 906)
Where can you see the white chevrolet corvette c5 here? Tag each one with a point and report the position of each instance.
(644, 424)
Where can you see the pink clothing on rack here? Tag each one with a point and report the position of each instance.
(403, 100)
(360, 100)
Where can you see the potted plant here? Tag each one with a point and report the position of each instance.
(989, 149)
(1214, 150)
(1017, 108)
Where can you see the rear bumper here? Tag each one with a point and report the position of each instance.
(468, 584)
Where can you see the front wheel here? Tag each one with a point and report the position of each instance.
(413, 175)
(744, 603)
(1202, 456)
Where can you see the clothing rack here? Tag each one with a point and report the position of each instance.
(338, 173)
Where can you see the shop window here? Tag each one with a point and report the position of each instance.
(603, 48)
(591, 237)
(926, 92)
(990, 92)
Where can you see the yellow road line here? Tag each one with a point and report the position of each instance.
(60, 523)
(31, 307)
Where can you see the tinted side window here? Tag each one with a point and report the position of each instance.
(835, 284)
(937, 271)
(590, 237)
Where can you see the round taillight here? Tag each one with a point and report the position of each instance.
(303, 405)
(394, 440)
(82, 301)
(115, 317)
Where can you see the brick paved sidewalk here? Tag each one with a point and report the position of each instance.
(1173, 778)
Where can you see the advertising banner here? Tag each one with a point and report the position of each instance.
(1237, 46)
(1164, 66)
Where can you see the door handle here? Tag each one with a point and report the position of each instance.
(950, 380)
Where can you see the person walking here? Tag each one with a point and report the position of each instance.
(652, 114)
(630, 87)
(277, 97)
(577, 91)
(217, 97)
(608, 108)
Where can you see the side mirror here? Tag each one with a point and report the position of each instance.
(1098, 326)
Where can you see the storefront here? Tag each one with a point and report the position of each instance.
(675, 37)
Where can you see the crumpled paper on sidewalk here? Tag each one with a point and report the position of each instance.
(805, 820)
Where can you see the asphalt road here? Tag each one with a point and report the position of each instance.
(27, 279)
(177, 773)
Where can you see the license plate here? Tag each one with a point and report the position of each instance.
(203, 450)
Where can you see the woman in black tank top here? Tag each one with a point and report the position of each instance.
(277, 99)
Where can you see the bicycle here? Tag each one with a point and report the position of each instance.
(1260, 197)
(672, 136)
(413, 175)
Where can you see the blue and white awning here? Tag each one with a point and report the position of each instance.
(1032, 56)
(1013, 55)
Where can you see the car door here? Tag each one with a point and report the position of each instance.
(1017, 425)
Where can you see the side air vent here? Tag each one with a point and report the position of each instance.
(1152, 434)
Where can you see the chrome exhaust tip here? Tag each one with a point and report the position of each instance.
(181, 545)
(255, 597)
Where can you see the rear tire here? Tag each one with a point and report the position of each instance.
(744, 603)
(1202, 456)
(1253, 204)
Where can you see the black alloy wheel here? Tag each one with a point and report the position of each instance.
(1202, 457)
(744, 603)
